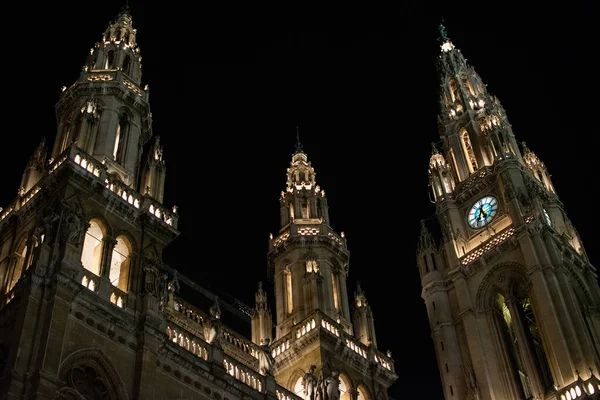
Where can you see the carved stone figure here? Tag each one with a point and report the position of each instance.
(73, 228)
(266, 362)
(309, 381)
(212, 325)
(331, 386)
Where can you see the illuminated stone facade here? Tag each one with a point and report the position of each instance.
(88, 309)
(513, 301)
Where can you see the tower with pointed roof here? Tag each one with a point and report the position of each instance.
(512, 299)
(81, 274)
(317, 334)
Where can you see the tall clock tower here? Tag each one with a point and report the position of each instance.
(513, 301)
(317, 330)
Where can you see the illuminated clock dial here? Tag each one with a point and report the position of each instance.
(483, 212)
(547, 216)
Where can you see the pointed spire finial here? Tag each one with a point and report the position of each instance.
(443, 32)
(298, 144)
(434, 150)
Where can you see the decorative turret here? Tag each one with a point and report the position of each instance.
(35, 169)
(310, 271)
(303, 199)
(153, 182)
(262, 323)
(440, 175)
(473, 124)
(364, 326)
(537, 168)
(105, 113)
(426, 252)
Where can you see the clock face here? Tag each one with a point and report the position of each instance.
(547, 216)
(483, 212)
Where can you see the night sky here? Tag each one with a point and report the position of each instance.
(230, 82)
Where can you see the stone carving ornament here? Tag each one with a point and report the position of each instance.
(309, 381)
(266, 362)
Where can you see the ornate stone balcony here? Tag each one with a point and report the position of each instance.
(306, 229)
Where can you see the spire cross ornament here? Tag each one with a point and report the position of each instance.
(443, 33)
(298, 144)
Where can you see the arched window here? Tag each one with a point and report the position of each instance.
(120, 139)
(336, 291)
(344, 387)
(110, 60)
(120, 263)
(319, 208)
(467, 85)
(305, 208)
(17, 270)
(453, 90)
(289, 301)
(126, 64)
(91, 256)
(468, 149)
(299, 388)
(362, 393)
(291, 207)
(66, 137)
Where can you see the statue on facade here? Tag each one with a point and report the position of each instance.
(309, 381)
(212, 325)
(331, 386)
(266, 362)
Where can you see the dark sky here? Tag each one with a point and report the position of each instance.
(230, 82)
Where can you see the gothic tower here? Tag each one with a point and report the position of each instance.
(83, 240)
(512, 299)
(308, 264)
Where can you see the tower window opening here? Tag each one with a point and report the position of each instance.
(127, 65)
(119, 265)
(66, 137)
(467, 85)
(110, 59)
(92, 248)
(425, 263)
(334, 284)
(433, 304)
(288, 290)
(305, 208)
(469, 153)
(17, 270)
(119, 149)
(451, 391)
(447, 370)
(291, 207)
(453, 90)
(442, 345)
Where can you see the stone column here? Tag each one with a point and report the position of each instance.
(108, 244)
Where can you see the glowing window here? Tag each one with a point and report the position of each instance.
(119, 265)
(92, 248)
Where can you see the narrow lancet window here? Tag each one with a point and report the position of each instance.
(334, 283)
(288, 290)
(119, 149)
(469, 153)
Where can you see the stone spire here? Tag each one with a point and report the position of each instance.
(262, 322)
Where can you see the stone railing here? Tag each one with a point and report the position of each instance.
(319, 322)
(90, 280)
(306, 230)
(581, 389)
(244, 374)
(284, 394)
(188, 341)
(123, 191)
(483, 248)
(118, 297)
(117, 75)
(239, 343)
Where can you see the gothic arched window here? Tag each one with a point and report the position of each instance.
(288, 291)
(336, 291)
(66, 137)
(291, 208)
(127, 64)
(91, 255)
(120, 139)
(453, 90)
(120, 263)
(110, 60)
(305, 208)
(468, 149)
(17, 269)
